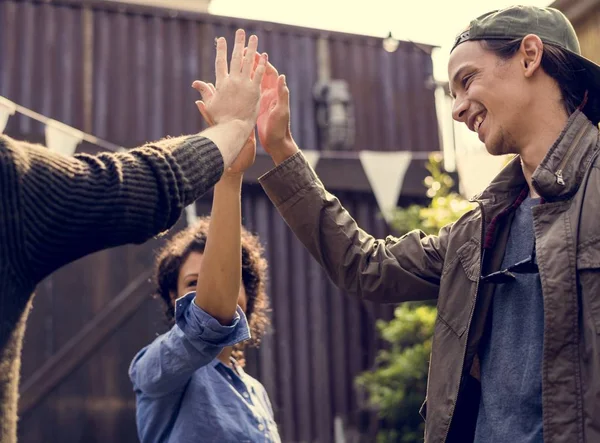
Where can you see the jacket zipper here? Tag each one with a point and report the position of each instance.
(464, 352)
(559, 173)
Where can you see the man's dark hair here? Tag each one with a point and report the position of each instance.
(254, 275)
(571, 76)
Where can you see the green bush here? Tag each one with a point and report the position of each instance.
(396, 386)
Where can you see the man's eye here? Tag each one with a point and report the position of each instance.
(467, 81)
(192, 283)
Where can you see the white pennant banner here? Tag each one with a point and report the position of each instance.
(385, 172)
(190, 214)
(312, 157)
(62, 138)
(7, 108)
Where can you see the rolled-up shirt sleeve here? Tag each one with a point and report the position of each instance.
(166, 365)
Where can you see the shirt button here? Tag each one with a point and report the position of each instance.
(261, 427)
(246, 395)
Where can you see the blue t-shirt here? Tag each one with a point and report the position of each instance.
(510, 409)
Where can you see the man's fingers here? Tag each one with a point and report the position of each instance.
(204, 89)
(203, 111)
(271, 69)
(238, 48)
(260, 70)
(212, 88)
(221, 60)
(283, 93)
(197, 85)
(269, 80)
(255, 63)
(248, 64)
(200, 106)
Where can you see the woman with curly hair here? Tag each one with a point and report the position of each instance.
(189, 382)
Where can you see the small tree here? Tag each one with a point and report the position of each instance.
(396, 387)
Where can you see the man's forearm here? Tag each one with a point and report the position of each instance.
(105, 200)
(384, 271)
(229, 137)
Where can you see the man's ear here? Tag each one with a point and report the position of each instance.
(531, 52)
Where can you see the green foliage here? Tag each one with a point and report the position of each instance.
(396, 387)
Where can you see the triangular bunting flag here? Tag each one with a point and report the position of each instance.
(312, 157)
(385, 172)
(62, 138)
(7, 108)
(190, 214)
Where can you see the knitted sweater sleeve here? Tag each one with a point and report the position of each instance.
(56, 209)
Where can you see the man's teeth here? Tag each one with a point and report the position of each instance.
(478, 122)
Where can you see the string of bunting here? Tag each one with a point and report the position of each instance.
(59, 136)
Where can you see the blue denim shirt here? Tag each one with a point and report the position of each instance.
(185, 394)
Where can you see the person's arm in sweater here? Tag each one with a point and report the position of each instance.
(55, 209)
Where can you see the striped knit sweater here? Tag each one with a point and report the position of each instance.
(56, 209)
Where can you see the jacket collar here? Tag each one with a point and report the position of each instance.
(559, 175)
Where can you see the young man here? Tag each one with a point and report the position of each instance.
(516, 350)
(55, 209)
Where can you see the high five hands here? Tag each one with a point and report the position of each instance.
(253, 92)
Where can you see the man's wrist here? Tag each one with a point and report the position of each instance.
(286, 149)
(247, 126)
(238, 124)
(229, 137)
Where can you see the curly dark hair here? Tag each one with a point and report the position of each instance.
(254, 276)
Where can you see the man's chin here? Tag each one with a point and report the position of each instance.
(491, 149)
(494, 148)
